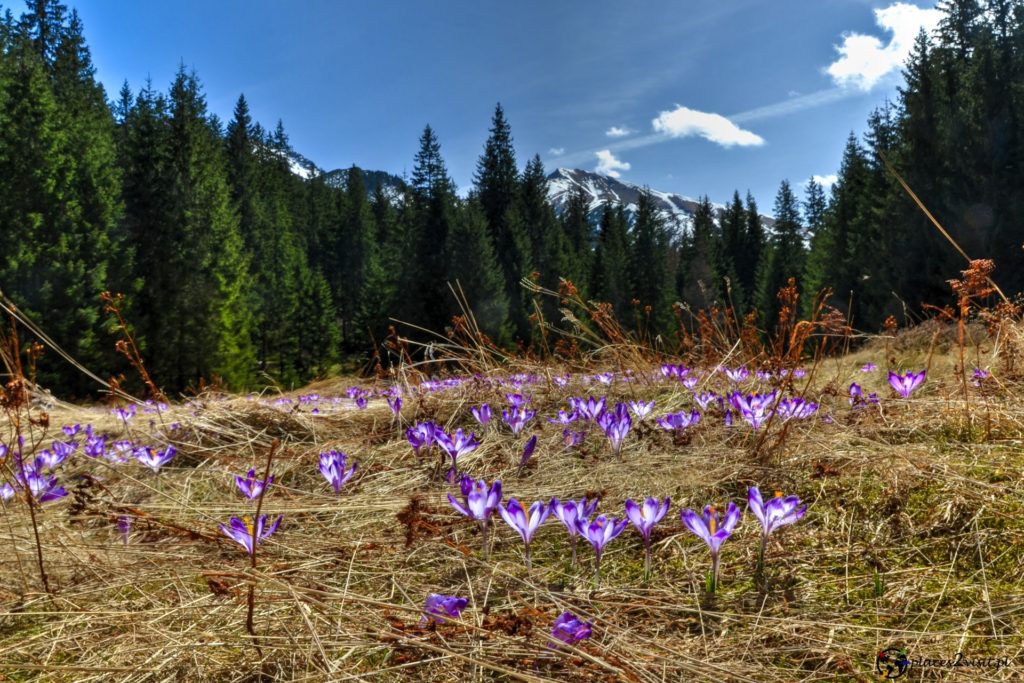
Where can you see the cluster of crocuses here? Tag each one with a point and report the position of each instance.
(38, 474)
(479, 501)
(243, 530)
(424, 435)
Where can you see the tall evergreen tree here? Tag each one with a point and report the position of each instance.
(651, 279)
(700, 260)
(786, 256)
(733, 241)
(497, 185)
(60, 186)
(550, 252)
(424, 292)
(748, 261)
(579, 232)
(611, 280)
(473, 264)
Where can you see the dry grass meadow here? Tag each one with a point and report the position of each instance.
(914, 538)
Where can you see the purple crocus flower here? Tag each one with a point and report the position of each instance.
(126, 413)
(868, 367)
(711, 529)
(705, 398)
(481, 414)
(737, 375)
(361, 402)
(569, 513)
(763, 376)
(95, 446)
(442, 607)
(422, 437)
(124, 527)
(754, 408)
(681, 420)
(517, 400)
(395, 404)
(250, 486)
(689, 382)
(795, 407)
(571, 438)
(120, 450)
(48, 460)
(616, 425)
(858, 399)
(7, 492)
(480, 503)
(599, 533)
(524, 521)
(456, 445)
(605, 378)
(570, 630)
(979, 376)
(155, 460)
(777, 512)
(516, 418)
(644, 517)
(592, 408)
(904, 385)
(528, 449)
(641, 409)
(241, 531)
(564, 417)
(71, 430)
(333, 468)
(668, 370)
(561, 381)
(43, 488)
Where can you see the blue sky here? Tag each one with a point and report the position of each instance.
(689, 97)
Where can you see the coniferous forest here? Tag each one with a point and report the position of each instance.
(234, 267)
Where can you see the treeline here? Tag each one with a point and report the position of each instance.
(235, 267)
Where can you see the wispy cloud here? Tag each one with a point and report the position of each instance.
(618, 132)
(792, 105)
(684, 122)
(826, 181)
(864, 60)
(556, 151)
(608, 165)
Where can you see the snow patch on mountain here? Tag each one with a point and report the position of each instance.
(677, 209)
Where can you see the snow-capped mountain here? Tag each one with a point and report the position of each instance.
(678, 209)
(307, 170)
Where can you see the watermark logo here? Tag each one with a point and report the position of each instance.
(891, 663)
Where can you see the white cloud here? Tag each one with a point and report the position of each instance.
(864, 60)
(556, 151)
(618, 132)
(683, 122)
(826, 181)
(608, 165)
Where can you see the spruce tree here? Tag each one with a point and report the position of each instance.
(473, 264)
(702, 285)
(497, 186)
(649, 263)
(60, 189)
(733, 234)
(579, 232)
(785, 258)
(748, 260)
(611, 281)
(426, 300)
